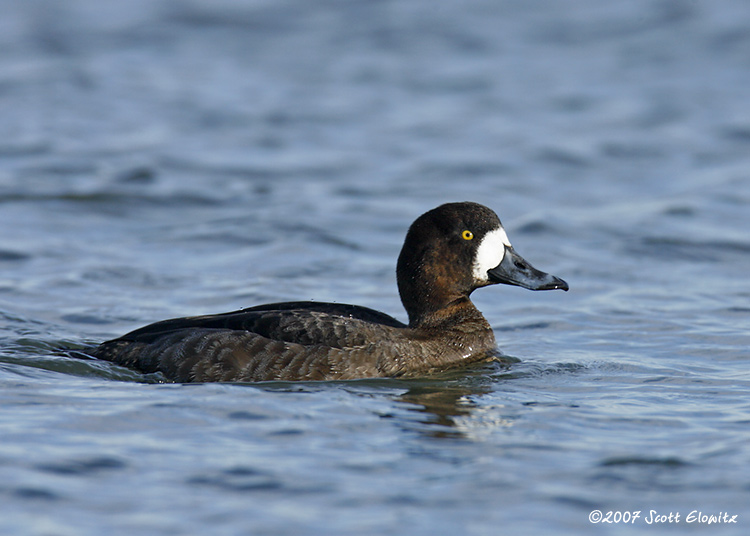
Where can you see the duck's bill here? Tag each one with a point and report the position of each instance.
(515, 270)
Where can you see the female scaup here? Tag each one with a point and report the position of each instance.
(448, 253)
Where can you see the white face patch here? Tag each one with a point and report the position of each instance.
(490, 253)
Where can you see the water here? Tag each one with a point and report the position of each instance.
(161, 159)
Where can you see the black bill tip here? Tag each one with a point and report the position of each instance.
(515, 270)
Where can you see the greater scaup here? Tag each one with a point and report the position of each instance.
(448, 253)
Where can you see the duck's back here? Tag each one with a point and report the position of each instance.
(296, 341)
(281, 341)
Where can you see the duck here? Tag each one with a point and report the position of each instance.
(449, 252)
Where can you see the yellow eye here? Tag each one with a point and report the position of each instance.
(467, 235)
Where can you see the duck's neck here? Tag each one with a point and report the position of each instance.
(459, 314)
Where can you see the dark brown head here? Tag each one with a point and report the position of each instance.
(454, 249)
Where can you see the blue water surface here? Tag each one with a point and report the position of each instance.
(162, 158)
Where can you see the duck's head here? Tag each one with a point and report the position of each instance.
(454, 249)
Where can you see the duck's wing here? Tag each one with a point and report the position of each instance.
(333, 324)
(291, 341)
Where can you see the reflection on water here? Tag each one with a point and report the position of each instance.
(446, 401)
(441, 405)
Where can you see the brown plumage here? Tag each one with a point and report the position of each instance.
(438, 268)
